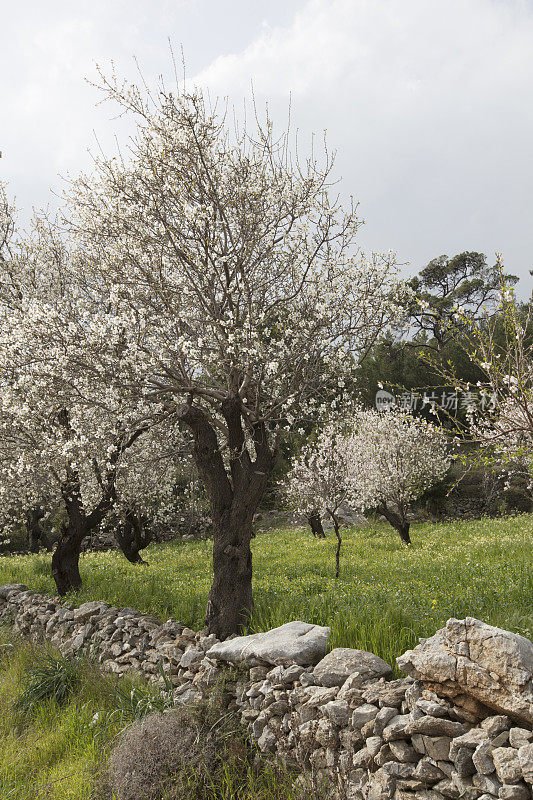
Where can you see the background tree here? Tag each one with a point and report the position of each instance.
(65, 426)
(463, 282)
(502, 350)
(316, 484)
(392, 458)
(240, 294)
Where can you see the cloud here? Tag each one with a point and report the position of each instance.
(428, 105)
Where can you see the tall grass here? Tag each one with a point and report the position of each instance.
(387, 595)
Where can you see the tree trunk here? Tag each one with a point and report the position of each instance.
(36, 535)
(66, 558)
(336, 526)
(397, 520)
(315, 523)
(230, 600)
(234, 497)
(133, 535)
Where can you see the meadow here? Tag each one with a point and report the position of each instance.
(387, 595)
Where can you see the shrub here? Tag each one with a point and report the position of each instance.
(165, 753)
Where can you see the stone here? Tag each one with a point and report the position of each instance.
(517, 792)
(487, 783)
(436, 747)
(396, 729)
(428, 772)
(447, 789)
(267, 741)
(386, 693)
(318, 695)
(431, 708)
(470, 658)
(297, 642)
(363, 714)
(363, 758)
(495, 725)
(351, 689)
(525, 759)
(88, 610)
(435, 726)
(338, 711)
(383, 717)
(190, 656)
(463, 762)
(518, 737)
(374, 745)
(482, 758)
(343, 662)
(402, 751)
(507, 765)
(471, 739)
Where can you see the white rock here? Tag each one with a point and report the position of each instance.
(473, 659)
(297, 642)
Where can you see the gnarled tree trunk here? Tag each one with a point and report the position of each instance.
(398, 520)
(315, 523)
(66, 557)
(234, 499)
(36, 535)
(133, 535)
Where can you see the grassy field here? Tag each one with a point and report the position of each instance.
(387, 596)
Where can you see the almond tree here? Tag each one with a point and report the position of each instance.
(65, 425)
(316, 485)
(240, 293)
(392, 459)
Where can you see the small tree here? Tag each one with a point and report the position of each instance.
(240, 294)
(392, 458)
(316, 484)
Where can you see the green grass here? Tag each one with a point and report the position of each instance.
(387, 596)
(58, 719)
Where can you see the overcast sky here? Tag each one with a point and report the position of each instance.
(429, 103)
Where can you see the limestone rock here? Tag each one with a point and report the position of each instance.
(525, 759)
(507, 764)
(343, 662)
(297, 642)
(469, 658)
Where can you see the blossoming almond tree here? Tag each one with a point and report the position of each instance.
(65, 425)
(240, 292)
(316, 484)
(392, 458)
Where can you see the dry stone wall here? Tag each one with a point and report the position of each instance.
(459, 725)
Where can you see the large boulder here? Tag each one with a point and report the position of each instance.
(295, 642)
(470, 659)
(343, 662)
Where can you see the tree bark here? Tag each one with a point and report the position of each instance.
(315, 523)
(36, 535)
(66, 558)
(234, 499)
(133, 535)
(336, 527)
(397, 520)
